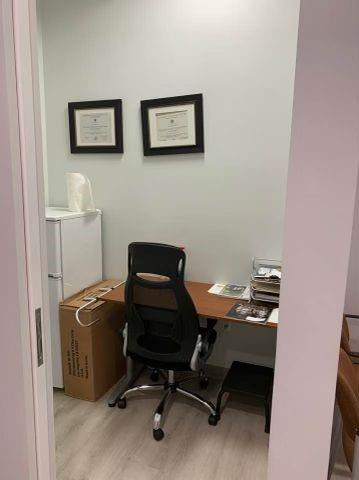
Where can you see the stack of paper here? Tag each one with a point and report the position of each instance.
(265, 280)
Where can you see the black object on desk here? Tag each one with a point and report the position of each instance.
(251, 380)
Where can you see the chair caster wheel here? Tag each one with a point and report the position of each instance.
(122, 403)
(158, 434)
(203, 383)
(155, 375)
(213, 420)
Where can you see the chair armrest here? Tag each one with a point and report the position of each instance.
(196, 354)
(203, 347)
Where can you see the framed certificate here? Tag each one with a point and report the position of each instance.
(173, 125)
(96, 127)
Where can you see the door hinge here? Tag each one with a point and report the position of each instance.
(40, 351)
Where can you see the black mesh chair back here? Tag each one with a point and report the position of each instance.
(162, 322)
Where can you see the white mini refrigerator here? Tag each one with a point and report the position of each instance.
(74, 258)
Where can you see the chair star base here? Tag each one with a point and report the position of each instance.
(170, 387)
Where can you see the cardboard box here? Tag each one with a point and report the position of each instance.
(92, 358)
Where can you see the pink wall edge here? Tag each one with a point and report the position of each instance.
(319, 218)
(352, 296)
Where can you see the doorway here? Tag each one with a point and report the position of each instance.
(283, 409)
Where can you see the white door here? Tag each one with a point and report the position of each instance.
(18, 17)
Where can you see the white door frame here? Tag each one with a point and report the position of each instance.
(20, 64)
(288, 451)
(18, 451)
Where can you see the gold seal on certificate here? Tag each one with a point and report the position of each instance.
(173, 125)
(96, 127)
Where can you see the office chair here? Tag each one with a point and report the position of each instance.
(162, 329)
(348, 401)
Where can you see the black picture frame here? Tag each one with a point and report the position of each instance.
(116, 104)
(197, 101)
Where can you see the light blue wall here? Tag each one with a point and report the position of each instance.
(224, 206)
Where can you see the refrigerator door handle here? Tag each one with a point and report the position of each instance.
(57, 276)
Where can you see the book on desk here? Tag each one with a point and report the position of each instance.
(254, 313)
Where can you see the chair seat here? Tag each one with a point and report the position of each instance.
(167, 346)
(162, 365)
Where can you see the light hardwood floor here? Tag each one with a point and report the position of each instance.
(341, 470)
(95, 442)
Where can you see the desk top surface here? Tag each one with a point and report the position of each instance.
(207, 304)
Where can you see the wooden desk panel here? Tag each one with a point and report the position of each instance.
(207, 304)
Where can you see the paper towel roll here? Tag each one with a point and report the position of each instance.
(79, 193)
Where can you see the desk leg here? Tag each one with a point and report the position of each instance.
(133, 371)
